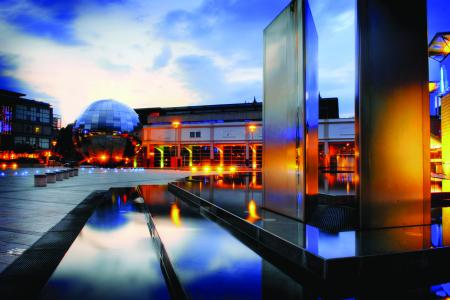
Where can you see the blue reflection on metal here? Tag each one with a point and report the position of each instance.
(436, 235)
(330, 245)
(441, 290)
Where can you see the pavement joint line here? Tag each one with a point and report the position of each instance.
(40, 201)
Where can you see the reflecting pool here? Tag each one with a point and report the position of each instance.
(241, 194)
(111, 258)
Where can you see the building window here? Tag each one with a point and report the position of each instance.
(37, 129)
(33, 114)
(195, 134)
(25, 140)
(44, 143)
(5, 119)
(21, 112)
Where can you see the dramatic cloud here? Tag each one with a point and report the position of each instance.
(159, 53)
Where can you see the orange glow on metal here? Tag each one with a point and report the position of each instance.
(446, 226)
(252, 212)
(445, 134)
(175, 214)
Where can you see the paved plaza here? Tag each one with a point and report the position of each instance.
(28, 212)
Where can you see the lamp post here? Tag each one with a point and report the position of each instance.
(176, 125)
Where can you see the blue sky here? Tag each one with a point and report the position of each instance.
(161, 53)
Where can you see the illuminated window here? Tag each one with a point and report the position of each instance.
(37, 130)
(5, 119)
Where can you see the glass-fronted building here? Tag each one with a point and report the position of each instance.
(25, 125)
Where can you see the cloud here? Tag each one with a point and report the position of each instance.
(216, 83)
(149, 53)
(163, 58)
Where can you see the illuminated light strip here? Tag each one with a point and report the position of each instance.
(445, 131)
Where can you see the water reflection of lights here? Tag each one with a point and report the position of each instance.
(175, 215)
(252, 212)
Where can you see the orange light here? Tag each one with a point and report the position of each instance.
(252, 128)
(54, 142)
(117, 158)
(3, 166)
(446, 49)
(232, 169)
(103, 157)
(194, 169)
(14, 166)
(175, 124)
(207, 168)
(252, 212)
(175, 215)
(432, 86)
(219, 169)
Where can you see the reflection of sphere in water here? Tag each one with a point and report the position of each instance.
(110, 215)
(107, 132)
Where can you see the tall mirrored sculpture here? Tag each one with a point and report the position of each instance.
(290, 111)
(392, 113)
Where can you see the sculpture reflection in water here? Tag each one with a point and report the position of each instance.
(329, 236)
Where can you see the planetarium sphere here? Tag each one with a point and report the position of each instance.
(107, 132)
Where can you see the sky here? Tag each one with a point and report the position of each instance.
(150, 53)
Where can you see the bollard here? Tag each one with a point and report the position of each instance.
(66, 174)
(40, 180)
(75, 171)
(59, 175)
(51, 177)
(71, 173)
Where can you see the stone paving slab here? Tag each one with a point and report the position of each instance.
(28, 212)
